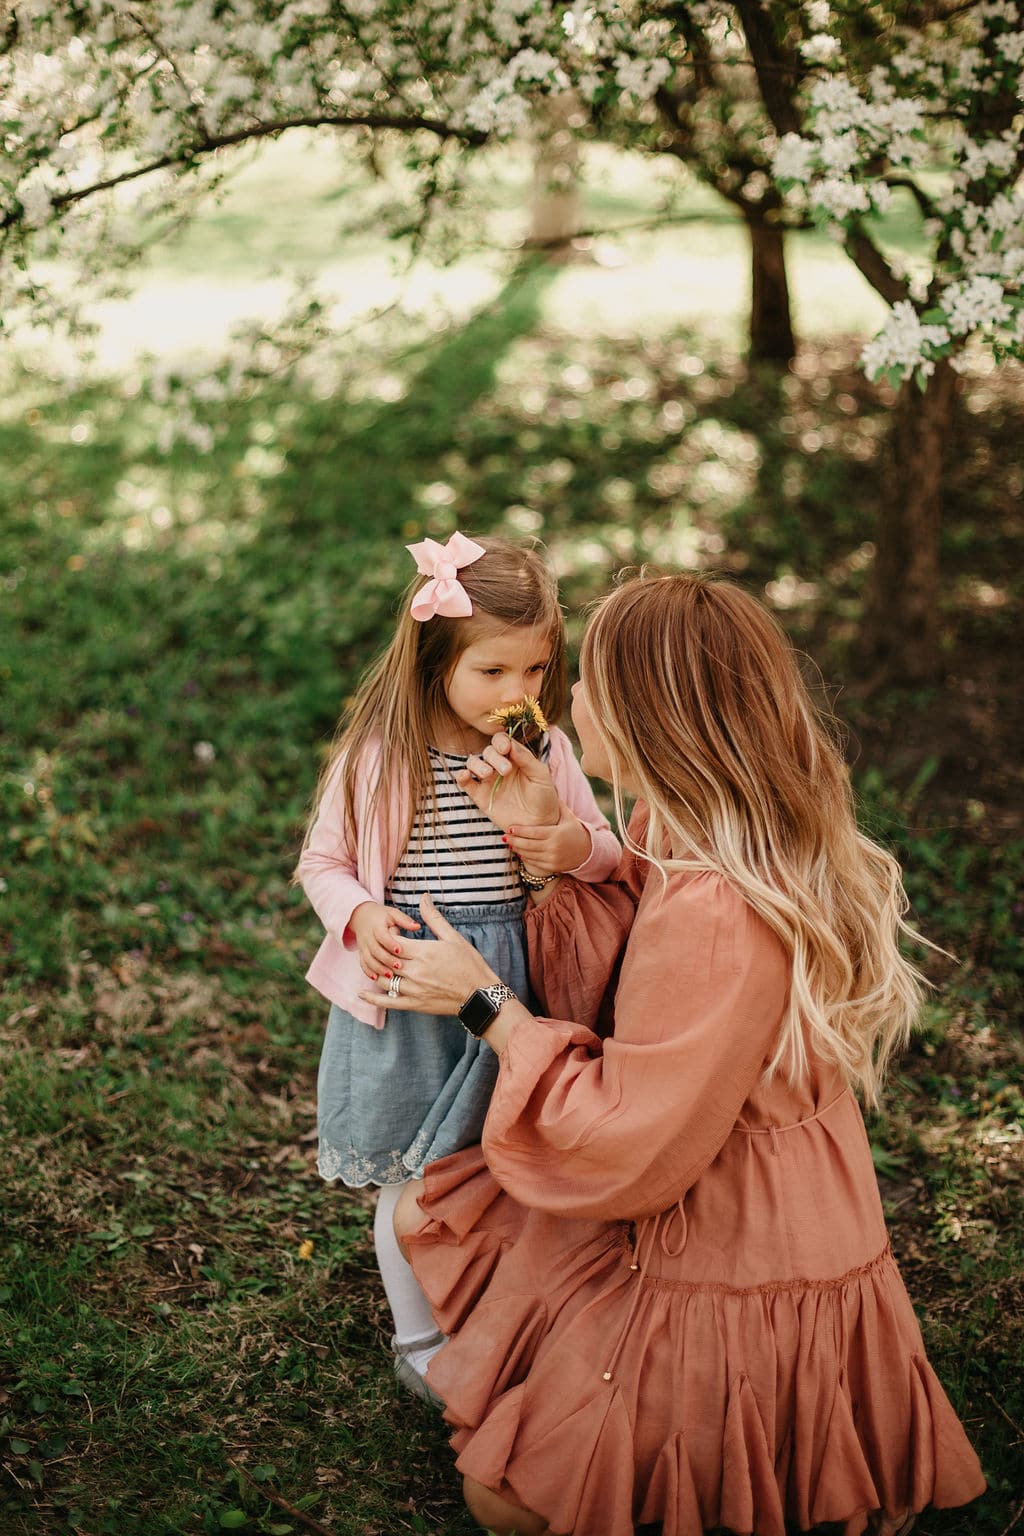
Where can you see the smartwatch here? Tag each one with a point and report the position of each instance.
(481, 1007)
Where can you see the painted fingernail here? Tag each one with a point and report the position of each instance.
(387, 975)
(398, 951)
(373, 977)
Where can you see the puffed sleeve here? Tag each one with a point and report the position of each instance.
(575, 943)
(619, 1128)
(576, 938)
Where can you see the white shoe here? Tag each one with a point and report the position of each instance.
(892, 1525)
(407, 1374)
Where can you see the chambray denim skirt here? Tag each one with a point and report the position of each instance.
(391, 1100)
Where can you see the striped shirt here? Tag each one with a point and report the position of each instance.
(454, 852)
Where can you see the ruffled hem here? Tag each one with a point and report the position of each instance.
(746, 1410)
(456, 1250)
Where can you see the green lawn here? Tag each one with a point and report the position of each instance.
(177, 634)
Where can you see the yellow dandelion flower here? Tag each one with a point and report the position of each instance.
(525, 719)
(306, 1249)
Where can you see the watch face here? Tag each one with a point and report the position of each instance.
(477, 1012)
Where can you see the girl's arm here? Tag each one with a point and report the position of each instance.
(558, 828)
(581, 842)
(328, 867)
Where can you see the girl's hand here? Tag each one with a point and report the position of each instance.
(551, 850)
(376, 929)
(527, 795)
(435, 978)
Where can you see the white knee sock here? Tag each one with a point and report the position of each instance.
(409, 1307)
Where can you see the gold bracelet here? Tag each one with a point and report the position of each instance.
(536, 882)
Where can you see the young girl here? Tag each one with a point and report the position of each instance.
(480, 628)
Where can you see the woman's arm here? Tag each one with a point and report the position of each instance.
(620, 1128)
(438, 978)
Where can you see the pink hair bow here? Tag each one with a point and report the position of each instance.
(444, 593)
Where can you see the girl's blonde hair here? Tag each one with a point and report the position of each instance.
(402, 703)
(696, 695)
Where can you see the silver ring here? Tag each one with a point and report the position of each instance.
(395, 985)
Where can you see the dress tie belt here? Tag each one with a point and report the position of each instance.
(652, 1229)
(649, 1230)
(773, 1132)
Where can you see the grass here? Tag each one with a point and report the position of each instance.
(191, 1335)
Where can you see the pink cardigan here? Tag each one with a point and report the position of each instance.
(338, 871)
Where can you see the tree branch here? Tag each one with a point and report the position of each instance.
(921, 197)
(872, 265)
(664, 221)
(777, 67)
(190, 153)
(162, 52)
(282, 1504)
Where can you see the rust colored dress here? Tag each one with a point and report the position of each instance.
(668, 1288)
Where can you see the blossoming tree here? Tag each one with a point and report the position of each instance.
(708, 114)
(114, 108)
(925, 97)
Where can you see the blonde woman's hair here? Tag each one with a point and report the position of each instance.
(697, 697)
(401, 703)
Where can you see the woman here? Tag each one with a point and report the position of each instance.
(666, 1279)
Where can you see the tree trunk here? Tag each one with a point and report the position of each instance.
(771, 326)
(900, 639)
(555, 209)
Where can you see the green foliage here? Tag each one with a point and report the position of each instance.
(189, 1321)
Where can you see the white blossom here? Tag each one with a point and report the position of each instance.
(840, 197)
(822, 48)
(837, 103)
(903, 343)
(980, 156)
(640, 78)
(840, 153)
(531, 66)
(908, 62)
(497, 109)
(1005, 212)
(975, 305)
(37, 203)
(794, 158)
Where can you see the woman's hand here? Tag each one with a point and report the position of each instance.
(510, 785)
(435, 978)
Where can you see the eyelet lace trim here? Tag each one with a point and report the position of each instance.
(356, 1170)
